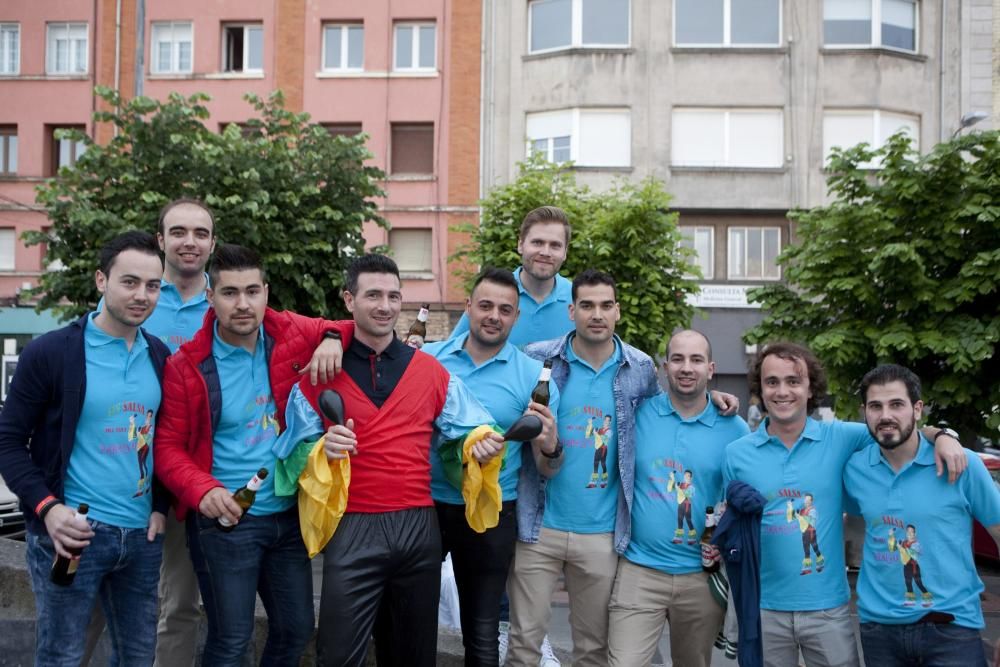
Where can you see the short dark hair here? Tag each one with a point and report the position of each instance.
(190, 201)
(133, 239)
(708, 343)
(886, 373)
(497, 276)
(368, 263)
(590, 277)
(232, 257)
(790, 352)
(545, 214)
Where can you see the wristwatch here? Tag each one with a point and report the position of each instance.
(335, 335)
(556, 453)
(946, 431)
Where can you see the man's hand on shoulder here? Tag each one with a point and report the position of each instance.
(67, 532)
(326, 361)
(727, 404)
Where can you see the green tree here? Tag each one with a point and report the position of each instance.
(278, 184)
(627, 231)
(901, 266)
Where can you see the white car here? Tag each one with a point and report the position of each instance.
(11, 518)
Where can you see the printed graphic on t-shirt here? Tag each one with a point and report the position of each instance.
(903, 546)
(600, 435)
(262, 422)
(679, 489)
(801, 517)
(139, 434)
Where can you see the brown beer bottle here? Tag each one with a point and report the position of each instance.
(64, 569)
(706, 538)
(244, 497)
(540, 394)
(419, 326)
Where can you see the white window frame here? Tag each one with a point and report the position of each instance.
(874, 141)
(8, 68)
(402, 231)
(576, 31)
(7, 138)
(575, 134)
(729, 253)
(550, 147)
(727, 31)
(876, 42)
(727, 115)
(11, 263)
(414, 27)
(154, 45)
(707, 273)
(51, 38)
(226, 65)
(345, 32)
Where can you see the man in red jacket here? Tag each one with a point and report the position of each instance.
(224, 400)
(387, 548)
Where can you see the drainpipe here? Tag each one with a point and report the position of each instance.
(140, 46)
(118, 52)
(944, 20)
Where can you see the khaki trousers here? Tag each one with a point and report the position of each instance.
(177, 629)
(643, 598)
(825, 638)
(588, 563)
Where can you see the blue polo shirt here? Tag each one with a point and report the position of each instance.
(583, 496)
(802, 532)
(503, 385)
(537, 321)
(175, 321)
(111, 467)
(248, 426)
(678, 474)
(918, 536)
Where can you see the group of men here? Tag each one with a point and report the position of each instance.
(192, 376)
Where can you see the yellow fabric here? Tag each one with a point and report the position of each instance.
(480, 485)
(323, 489)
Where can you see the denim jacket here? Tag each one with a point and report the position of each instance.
(635, 381)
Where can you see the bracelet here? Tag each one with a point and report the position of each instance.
(334, 335)
(556, 453)
(43, 508)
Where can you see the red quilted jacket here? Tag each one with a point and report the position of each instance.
(192, 397)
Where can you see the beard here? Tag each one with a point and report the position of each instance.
(887, 441)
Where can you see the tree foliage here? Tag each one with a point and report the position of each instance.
(627, 231)
(902, 266)
(278, 184)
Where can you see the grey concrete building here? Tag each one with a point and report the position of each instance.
(733, 103)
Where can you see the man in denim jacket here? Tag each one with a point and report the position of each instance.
(575, 518)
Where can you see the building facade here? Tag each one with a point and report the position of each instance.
(407, 73)
(734, 104)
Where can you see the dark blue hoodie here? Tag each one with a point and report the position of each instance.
(738, 538)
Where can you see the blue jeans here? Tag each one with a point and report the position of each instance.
(265, 555)
(121, 568)
(921, 644)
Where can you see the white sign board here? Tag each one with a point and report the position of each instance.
(9, 363)
(722, 296)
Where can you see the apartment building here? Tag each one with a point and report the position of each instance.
(735, 104)
(407, 73)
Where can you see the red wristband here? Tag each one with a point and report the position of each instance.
(45, 501)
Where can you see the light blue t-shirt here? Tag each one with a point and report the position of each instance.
(248, 425)
(802, 532)
(174, 321)
(918, 536)
(583, 496)
(503, 385)
(111, 467)
(678, 474)
(536, 321)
